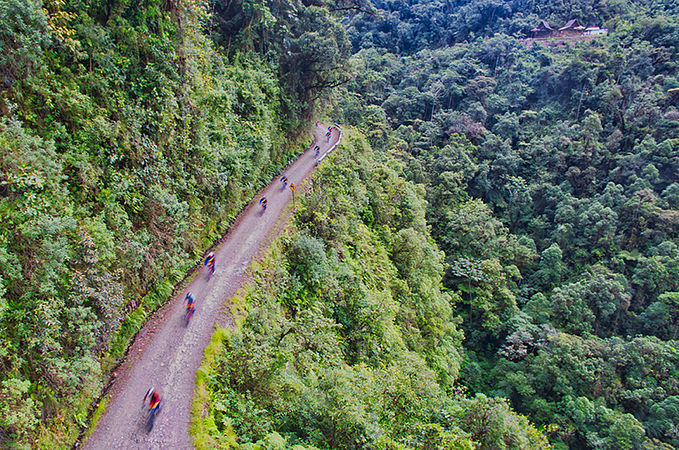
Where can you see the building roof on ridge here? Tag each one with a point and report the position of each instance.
(572, 24)
(542, 25)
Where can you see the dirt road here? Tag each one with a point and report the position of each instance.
(167, 354)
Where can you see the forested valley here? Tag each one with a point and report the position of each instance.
(551, 171)
(489, 260)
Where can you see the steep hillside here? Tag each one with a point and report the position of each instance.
(551, 178)
(129, 144)
(346, 339)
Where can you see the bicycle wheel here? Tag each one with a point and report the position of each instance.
(150, 420)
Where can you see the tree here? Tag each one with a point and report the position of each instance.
(471, 270)
(671, 195)
(602, 427)
(308, 261)
(472, 230)
(492, 425)
(314, 55)
(550, 268)
(598, 299)
(664, 420)
(652, 277)
(519, 204)
(661, 318)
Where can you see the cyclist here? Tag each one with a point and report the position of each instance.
(210, 264)
(317, 149)
(190, 304)
(284, 180)
(263, 201)
(153, 409)
(154, 399)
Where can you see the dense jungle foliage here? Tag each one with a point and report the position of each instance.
(346, 338)
(129, 144)
(551, 170)
(519, 253)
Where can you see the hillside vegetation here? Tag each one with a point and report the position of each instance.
(129, 144)
(346, 339)
(552, 180)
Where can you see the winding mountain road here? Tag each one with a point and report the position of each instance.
(166, 354)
